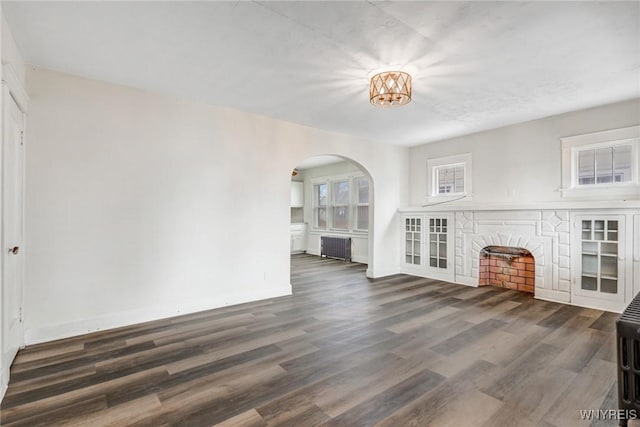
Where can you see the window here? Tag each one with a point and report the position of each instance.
(605, 165)
(602, 164)
(449, 178)
(362, 203)
(340, 208)
(341, 203)
(320, 205)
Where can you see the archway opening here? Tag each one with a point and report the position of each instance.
(331, 213)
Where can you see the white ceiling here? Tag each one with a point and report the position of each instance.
(476, 65)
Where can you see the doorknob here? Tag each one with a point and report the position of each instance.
(14, 250)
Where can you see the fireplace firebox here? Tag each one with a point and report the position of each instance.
(507, 267)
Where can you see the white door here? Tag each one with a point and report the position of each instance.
(12, 191)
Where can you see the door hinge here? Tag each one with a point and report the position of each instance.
(20, 315)
(21, 137)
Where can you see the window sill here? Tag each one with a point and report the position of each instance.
(449, 198)
(359, 233)
(603, 192)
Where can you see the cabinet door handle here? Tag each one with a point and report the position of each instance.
(14, 250)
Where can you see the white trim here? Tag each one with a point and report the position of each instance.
(528, 206)
(322, 179)
(467, 281)
(598, 137)
(362, 234)
(552, 295)
(315, 207)
(582, 301)
(18, 92)
(355, 197)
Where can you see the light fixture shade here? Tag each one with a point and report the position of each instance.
(390, 89)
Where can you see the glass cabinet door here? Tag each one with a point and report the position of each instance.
(438, 242)
(413, 230)
(599, 248)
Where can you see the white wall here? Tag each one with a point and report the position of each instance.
(359, 241)
(10, 52)
(141, 206)
(519, 163)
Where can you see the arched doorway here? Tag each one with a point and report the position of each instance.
(332, 200)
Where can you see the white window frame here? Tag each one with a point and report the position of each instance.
(356, 202)
(434, 165)
(347, 205)
(315, 206)
(352, 206)
(436, 179)
(573, 145)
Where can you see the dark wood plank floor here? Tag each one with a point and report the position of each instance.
(341, 351)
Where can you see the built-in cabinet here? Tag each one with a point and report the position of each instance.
(297, 194)
(584, 256)
(600, 262)
(413, 241)
(427, 247)
(438, 230)
(298, 238)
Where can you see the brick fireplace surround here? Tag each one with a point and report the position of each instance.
(506, 267)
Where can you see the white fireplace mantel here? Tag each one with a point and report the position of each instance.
(537, 206)
(546, 230)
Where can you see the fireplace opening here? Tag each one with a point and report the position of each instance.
(507, 267)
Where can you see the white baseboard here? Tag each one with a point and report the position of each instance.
(613, 306)
(466, 280)
(553, 296)
(115, 320)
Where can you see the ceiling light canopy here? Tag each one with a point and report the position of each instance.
(390, 89)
